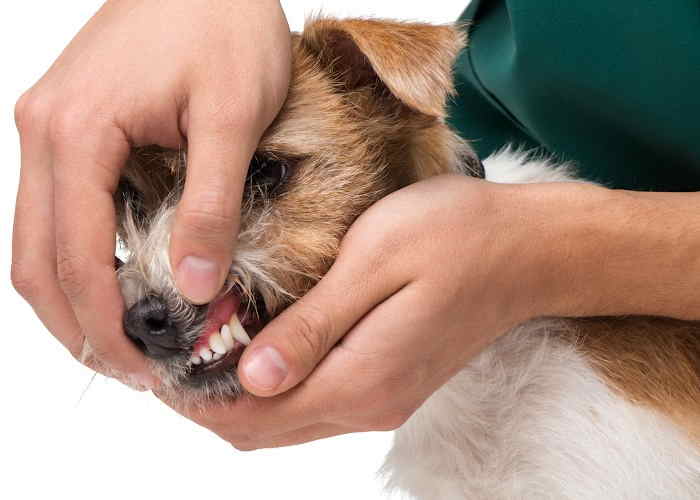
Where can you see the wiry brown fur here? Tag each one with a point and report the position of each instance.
(391, 52)
(348, 142)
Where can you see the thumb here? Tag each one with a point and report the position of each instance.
(288, 349)
(207, 217)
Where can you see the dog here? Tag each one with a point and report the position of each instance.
(556, 408)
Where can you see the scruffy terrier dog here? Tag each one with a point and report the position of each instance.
(565, 409)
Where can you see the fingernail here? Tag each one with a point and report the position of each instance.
(265, 368)
(198, 279)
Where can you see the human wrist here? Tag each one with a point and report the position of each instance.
(590, 251)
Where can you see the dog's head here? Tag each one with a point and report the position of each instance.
(364, 117)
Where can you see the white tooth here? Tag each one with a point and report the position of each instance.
(205, 354)
(216, 343)
(218, 356)
(195, 360)
(227, 337)
(238, 331)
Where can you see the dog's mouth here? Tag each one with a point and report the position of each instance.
(230, 325)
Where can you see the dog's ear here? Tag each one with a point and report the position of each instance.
(412, 61)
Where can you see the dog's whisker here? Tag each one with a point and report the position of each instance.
(84, 391)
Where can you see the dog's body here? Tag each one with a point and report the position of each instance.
(530, 418)
(560, 408)
(575, 409)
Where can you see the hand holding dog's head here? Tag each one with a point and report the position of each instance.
(364, 117)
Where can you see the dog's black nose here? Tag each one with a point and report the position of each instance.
(147, 323)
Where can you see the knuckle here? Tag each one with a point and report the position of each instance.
(66, 124)
(377, 247)
(25, 281)
(240, 437)
(244, 446)
(31, 110)
(208, 223)
(71, 275)
(312, 332)
(220, 423)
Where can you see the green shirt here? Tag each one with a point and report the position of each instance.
(613, 85)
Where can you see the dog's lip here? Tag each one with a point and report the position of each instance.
(205, 371)
(228, 362)
(218, 314)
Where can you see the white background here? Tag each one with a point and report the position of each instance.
(117, 443)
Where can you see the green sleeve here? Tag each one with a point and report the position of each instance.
(612, 85)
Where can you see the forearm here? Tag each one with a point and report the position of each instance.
(593, 251)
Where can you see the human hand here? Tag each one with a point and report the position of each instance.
(424, 281)
(213, 73)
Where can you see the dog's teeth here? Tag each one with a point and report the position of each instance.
(216, 343)
(238, 331)
(205, 354)
(227, 337)
(195, 360)
(217, 356)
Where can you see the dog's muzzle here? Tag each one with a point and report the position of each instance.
(149, 326)
(222, 334)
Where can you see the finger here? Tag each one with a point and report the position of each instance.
(249, 416)
(365, 382)
(409, 345)
(34, 246)
(86, 171)
(291, 346)
(231, 422)
(301, 436)
(207, 217)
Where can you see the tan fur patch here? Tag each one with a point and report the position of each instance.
(652, 362)
(396, 53)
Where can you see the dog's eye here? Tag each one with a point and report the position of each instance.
(266, 173)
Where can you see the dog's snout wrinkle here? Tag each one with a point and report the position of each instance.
(148, 324)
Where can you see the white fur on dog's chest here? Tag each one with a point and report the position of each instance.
(530, 419)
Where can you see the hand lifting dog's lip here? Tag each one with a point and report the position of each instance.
(351, 131)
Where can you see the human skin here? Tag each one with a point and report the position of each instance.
(140, 72)
(403, 308)
(457, 263)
